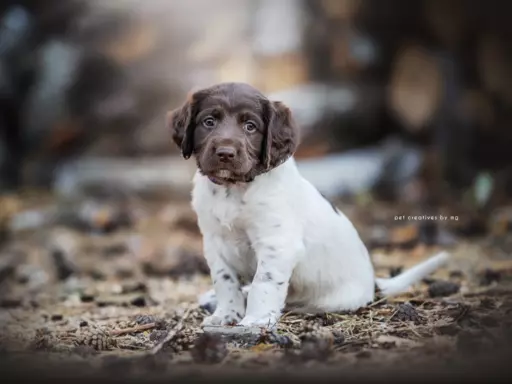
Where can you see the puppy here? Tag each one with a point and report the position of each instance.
(262, 222)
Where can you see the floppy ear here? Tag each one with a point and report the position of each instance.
(180, 122)
(281, 135)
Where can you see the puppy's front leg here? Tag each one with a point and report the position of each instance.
(228, 291)
(276, 260)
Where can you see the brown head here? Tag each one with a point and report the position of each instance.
(234, 132)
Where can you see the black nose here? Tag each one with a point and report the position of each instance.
(225, 153)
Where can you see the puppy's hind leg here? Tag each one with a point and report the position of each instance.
(208, 300)
(349, 297)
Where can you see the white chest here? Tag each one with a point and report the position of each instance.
(227, 210)
(220, 207)
(222, 212)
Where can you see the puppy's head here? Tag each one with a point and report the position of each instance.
(234, 132)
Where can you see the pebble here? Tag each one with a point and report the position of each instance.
(442, 288)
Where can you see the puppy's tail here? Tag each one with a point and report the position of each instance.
(399, 284)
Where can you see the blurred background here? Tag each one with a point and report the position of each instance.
(404, 106)
(419, 91)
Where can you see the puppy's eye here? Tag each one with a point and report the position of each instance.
(250, 126)
(209, 122)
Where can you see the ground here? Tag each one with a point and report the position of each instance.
(110, 285)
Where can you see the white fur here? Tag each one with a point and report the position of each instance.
(279, 233)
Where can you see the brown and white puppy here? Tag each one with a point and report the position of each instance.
(262, 222)
(226, 128)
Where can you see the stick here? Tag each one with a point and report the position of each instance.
(173, 332)
(138, 328)
(382, 299)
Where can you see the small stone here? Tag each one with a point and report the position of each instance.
(443, 288)
(406, 312)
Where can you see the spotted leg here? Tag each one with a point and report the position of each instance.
(277, 258)
(230, 307)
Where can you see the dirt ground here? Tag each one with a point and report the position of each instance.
(109, 285)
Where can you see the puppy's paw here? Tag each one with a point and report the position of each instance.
(222, 318)
(208, 301)
(211, 320)
(268, 321)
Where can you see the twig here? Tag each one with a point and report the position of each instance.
(377, 302)
(173, 332)
(138, 328)
(286, 314)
